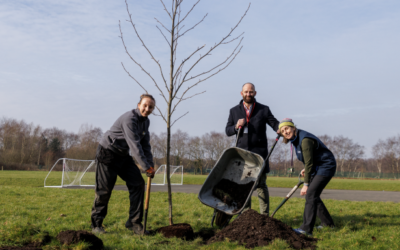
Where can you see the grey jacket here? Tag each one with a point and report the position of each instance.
(130, 132)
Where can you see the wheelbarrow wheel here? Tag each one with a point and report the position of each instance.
(222, 219)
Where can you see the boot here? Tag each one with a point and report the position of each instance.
(98, 230)
(137, 228)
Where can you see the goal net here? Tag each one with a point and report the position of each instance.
(176, 175)
(71, 172)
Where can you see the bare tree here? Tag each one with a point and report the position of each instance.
(196, 153)
(175, 88)
(387, 155)
(345, 151)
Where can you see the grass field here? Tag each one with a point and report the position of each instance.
(26, 212)
(36, 178)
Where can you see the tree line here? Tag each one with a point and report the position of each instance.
(25, 146)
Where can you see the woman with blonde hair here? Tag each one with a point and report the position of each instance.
(319, 168)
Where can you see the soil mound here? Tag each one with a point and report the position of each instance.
(231, 193)
(180, 230)
(252, 229)
(72, 237)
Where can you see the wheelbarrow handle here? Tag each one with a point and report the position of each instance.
(272, 149)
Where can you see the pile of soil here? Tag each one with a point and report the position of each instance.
(180, 230)
(252, 229)
(231, 193)
(72, 237)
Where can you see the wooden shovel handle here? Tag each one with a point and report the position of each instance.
(146, 205)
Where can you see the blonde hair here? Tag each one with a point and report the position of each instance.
(287, 140)
(146, 96)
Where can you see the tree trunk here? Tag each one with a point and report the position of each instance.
(40, 150)
(171, 89)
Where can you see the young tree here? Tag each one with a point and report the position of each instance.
(175, 88)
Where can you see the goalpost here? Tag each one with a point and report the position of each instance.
(73, 173)
(176, 175)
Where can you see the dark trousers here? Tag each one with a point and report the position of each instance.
(314, 205)
(262, 188)
(108, 166)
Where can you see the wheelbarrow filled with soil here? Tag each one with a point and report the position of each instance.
(231, 182)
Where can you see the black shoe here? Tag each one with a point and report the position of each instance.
(98, 230)
(137, 228)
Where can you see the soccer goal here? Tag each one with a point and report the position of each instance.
(176, 175)
(71, 172)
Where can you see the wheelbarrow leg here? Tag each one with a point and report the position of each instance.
(213, 218)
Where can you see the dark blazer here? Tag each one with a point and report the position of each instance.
(256, 139)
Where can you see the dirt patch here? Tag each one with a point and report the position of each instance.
(205, 234)
(26, 247)
(252, 229)
(33, 245)
(231, 193)
(180, 230)
(72, 237)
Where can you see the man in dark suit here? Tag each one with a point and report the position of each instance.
(253, 117)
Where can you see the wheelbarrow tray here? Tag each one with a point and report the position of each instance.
(237, 165)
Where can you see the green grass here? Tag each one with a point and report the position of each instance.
(25, 213)
(36, 178)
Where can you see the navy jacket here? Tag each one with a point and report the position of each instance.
(256, 139)
(324, 161)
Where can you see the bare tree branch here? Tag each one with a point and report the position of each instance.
(214, 47)
(162, 25)
(183, 19)
(192, 27)
(184, 99)
(234, 38)
(164, 36)
(208, 77)
(144, 45)
(127, 52)
(165, 8)
(187, 58)
(163, 116)
(133, 78)
(179, 118)
(206, 72)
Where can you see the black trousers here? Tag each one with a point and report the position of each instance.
(108, 166)
(314, 205)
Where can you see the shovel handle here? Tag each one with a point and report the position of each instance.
(146, 204)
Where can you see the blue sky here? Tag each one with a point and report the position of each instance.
(332, 66)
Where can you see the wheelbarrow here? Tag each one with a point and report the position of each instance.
(237, 165)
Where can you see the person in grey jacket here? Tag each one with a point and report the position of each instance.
(130, 133)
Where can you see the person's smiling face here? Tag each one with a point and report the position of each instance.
(146, 106)
(288, 132)
(248, 93)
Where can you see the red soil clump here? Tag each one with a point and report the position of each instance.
(252, 229)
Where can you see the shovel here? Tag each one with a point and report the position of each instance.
(146, 205)
(299, 183)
